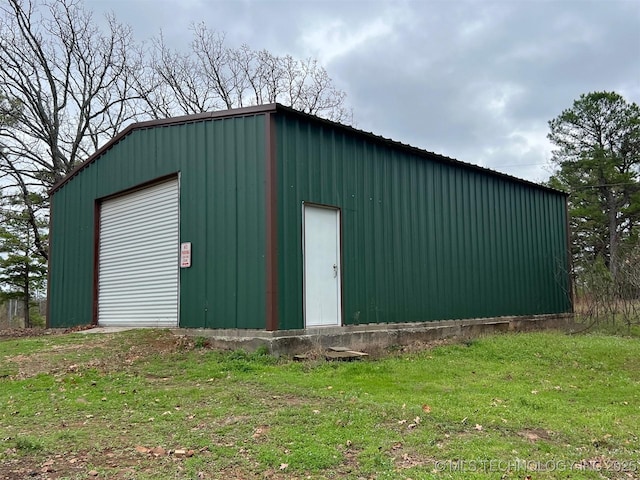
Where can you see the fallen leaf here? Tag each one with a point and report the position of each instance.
(535, 392)
(141, 449)
(478, 427)
(426, 408)
(158, 451)
(316, 411)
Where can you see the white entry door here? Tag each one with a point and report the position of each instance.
(322, 291)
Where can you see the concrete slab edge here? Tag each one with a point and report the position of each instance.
(373, 337)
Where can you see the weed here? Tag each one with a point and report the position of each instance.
(201, 342)
(262, 350)
(28, 444)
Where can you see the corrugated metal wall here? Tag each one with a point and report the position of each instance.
(422, 240)
(222, 213)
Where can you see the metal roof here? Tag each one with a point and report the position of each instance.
(276, 107)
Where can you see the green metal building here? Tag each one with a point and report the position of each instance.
(268, 218)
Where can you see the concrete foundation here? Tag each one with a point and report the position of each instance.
(373, 337)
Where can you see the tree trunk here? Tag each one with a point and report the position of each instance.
(27, 297)
(613, 234)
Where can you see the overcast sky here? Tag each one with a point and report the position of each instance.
(475, 80)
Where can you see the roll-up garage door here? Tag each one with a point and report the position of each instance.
(138, 258)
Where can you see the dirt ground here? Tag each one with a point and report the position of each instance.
(120, 464)
(38, 332)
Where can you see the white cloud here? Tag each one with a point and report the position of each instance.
(329, 40)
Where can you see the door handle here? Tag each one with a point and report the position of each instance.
(335, 270)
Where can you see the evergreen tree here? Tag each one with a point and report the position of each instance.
(598, 163)
(22, 269)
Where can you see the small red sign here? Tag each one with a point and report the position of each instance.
(185, 255)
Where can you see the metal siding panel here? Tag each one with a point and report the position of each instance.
(519, 254)
(431, 244)
(207, 153)
(70, 281)
(437, 233)
(502, 271)
(475, 244)
(422, 240)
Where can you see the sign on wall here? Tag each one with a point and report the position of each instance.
(185, 254)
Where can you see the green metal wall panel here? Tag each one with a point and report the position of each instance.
(221, 165)
(422, 239)
(69, 261)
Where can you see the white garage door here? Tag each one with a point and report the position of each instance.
(138, 255)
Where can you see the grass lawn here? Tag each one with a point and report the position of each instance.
(147, 405)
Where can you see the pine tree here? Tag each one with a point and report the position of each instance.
(598, 160)
(22, 269)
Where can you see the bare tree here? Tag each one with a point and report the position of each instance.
(212, 76)
(65, 88)
(67, 85)
(73, 83)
